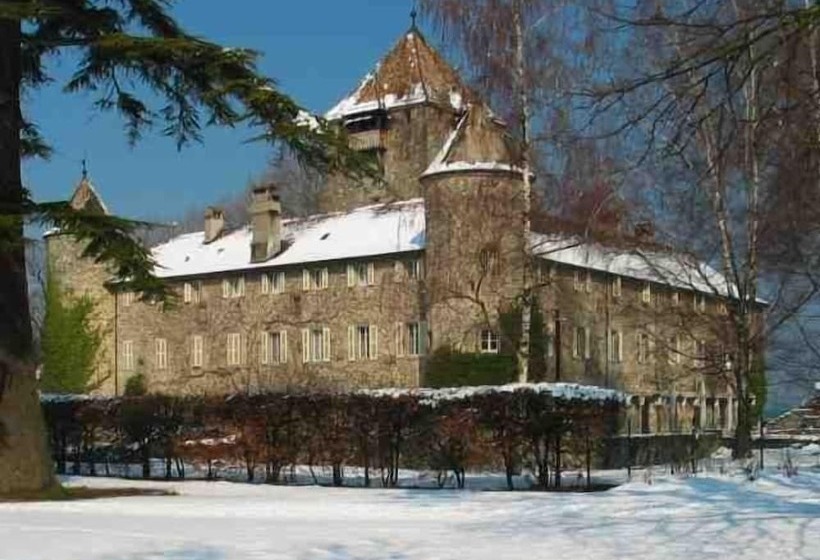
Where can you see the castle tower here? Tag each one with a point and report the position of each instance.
(474, 231)
(77, 277)
(402, 112)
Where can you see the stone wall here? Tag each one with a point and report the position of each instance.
(392, 298)
(585, 298)
(79, 277)
(413, 137)
(474, 253)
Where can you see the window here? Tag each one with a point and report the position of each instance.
(722, 309)
(700, 353)
(161, 353)
(615, 346)
(192, 292)
(272, 282)
(699, 301)
(643, 348)
(234, 349)
(273, 347)
(413, 269)
(361, 274)
(576, 280)
(314, 279)
(362, 342)
(410, 339)
(196, 351)
(127, 355)
(316, 345)
(488, 260)
(646, 293)
(675, 298)
(673, 352)
(233, 287)
(490, 342)
(581, 344)
(616, 286)
(127, 298)
(588, 282)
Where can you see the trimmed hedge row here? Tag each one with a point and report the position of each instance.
(508, 429)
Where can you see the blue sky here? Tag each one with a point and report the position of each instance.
(317, 50)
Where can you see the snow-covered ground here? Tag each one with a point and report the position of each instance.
(709, 516)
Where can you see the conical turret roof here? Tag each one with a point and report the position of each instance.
(411, 73)
(478, 143)
(86, 197)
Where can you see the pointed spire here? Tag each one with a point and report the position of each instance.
(85, 171)
(413, 14)
(411, 73)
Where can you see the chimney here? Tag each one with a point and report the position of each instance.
(214, 223)
(645, 232)
(266, 223)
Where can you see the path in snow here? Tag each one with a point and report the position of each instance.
(710, 517)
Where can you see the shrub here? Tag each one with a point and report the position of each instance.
(449, 368)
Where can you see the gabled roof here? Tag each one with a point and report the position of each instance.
(478, 143)
(652, 266)
(364, 232)
(411, 73)
(392, 228)
(86, 197)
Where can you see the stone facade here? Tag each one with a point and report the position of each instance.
(370, 321)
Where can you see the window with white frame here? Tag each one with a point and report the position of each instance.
(646, 293)
(273, 347)
(410, 339)
(488, 260)
(675, 298)
(577, 283)
(361, 274)
(233, 287)
(127, 355)
(315, 279)
(127, 298)
(700, 353)
(192, 291)
(673, 352)
(581, 343)
(272, 282)
(413, 269)
(616, 287)
(316, 344)
(722, 308)
(588, 282)
(616, 343)
(490, 342)
(197, 351)
(362, 342)
(643, 347)
(234, 349)
(699, 301)
(161, 353)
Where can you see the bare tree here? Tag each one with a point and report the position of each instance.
(712, 96)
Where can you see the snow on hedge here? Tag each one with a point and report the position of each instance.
(563, 391)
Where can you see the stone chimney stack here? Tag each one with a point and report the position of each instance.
(266, 223)
(214, 223)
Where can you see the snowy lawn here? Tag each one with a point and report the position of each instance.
(705, 517)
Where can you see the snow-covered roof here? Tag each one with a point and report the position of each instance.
(367, 231)
(670, 269)
(411, 73)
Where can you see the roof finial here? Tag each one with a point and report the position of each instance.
(413, 14)
(85, 170)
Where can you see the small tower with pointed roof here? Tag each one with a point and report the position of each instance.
(402, 112)
(77, 276)
(475, 238)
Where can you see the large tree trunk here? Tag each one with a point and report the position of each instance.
(24, 462)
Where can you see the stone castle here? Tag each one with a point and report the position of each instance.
(391, 271)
